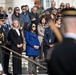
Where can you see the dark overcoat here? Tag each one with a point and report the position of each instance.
(63, 58)
(16, 39)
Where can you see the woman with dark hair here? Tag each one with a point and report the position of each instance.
(41, 29)
(32, 47)
(16, 16)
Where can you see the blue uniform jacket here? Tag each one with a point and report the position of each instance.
(31, 40)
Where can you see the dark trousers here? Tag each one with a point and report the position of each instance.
(41, 51)
(49, 52)
(17, 67)
(6, 60)
(1, 59)
(0, 55)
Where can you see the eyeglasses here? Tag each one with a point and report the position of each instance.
(33, 26)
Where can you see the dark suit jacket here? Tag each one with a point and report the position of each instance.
(32, 15)
(63, 58)
(15, 39)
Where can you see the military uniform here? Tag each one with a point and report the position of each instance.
(2, 40)
(63, 58)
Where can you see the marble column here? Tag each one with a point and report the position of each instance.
(19, 3)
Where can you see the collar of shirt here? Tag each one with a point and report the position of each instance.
(70, 35)
(17, 30)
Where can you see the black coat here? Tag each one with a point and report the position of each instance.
(32, 15)
(63, 58)
(15, 39)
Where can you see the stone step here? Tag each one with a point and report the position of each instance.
(25, 66)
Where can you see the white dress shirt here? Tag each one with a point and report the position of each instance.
(70, 35)
(17, 30)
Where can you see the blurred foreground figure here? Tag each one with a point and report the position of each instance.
(63, 58)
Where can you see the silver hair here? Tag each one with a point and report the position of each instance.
(13, 23)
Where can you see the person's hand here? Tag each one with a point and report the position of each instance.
(21, 28)
(33, 19)
(0, 42)
(21, 45)
(36, 47)
(18, 45)
(51, 45)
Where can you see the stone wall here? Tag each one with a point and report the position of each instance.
(6, 3)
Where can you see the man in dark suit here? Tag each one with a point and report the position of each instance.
(63, 58)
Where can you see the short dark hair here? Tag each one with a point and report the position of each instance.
(26, 5)
(23, 6)
(9, 8)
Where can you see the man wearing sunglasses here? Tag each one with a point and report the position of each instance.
(25, 17)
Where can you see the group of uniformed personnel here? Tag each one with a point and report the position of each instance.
(3, 42)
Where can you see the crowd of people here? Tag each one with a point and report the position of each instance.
(31, 27)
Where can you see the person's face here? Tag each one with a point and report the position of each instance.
(33, 27)
(1, 22)
(43, 21)
(27, 8)
(34, 10)
(59, 21)
(9, 11)
(61, 6)
(17, 11)
(5, 21)
(53, 4)
(24, 9)
(67, 5)
(52, 16)
(55, 12)
(16, 24)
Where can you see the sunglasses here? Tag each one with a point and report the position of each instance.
(33, 26)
